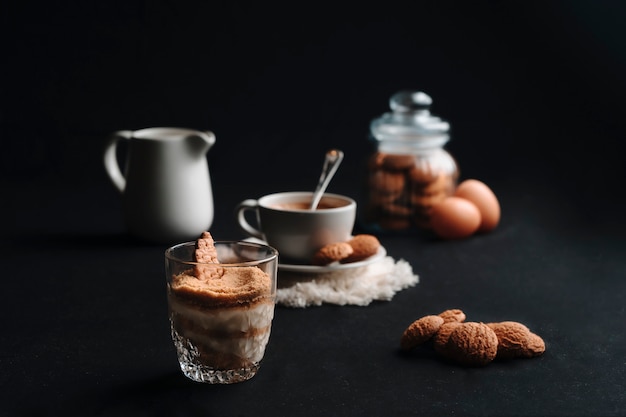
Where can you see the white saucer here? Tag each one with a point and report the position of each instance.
(335, 266)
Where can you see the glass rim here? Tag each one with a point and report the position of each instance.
(272, 253)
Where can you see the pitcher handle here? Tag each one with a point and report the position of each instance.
(240, 211)
(111, 164)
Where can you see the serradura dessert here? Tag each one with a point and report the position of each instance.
(220, 313)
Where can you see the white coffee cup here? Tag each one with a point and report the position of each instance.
(286, 223)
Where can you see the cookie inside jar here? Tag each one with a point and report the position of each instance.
(402, 188)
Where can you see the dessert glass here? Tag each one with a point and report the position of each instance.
(221, 326)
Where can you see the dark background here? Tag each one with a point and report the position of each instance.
(533, 90)
(535, 94)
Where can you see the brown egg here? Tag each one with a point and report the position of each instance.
(455, 218)
(481, 195)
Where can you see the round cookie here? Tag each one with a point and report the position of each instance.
(422, 174)
(453, 314)
(516, 340)
(363, 246)
(386, 186)
(428, 200)
(472, 344)
(443, 183)
(420, 331)
(398, 162)
(332, 252)
(535, 346)
(379, 200)
(440, 340)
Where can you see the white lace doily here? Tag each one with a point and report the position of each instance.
(360, 286)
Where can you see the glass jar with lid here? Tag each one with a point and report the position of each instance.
(410, 170)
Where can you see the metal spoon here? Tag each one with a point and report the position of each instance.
(331, 163)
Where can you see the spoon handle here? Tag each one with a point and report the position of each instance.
(331, 163)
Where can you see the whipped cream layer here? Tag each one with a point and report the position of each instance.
(238, 331)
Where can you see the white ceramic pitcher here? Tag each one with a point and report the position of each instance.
(166, 185)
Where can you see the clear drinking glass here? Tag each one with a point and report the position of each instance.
(221, 325)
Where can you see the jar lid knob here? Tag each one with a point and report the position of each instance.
(410, 120)
(410, 101)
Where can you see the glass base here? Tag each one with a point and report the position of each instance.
(200, 373)
(194, 368)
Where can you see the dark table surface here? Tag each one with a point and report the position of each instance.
(86, 330)
(534, 94)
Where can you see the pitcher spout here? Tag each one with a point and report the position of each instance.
(200, 142)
